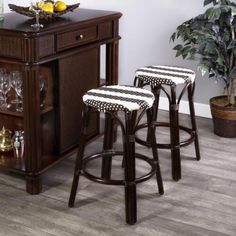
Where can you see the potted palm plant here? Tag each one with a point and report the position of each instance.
(210, 38)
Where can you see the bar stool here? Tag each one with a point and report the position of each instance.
(133, 102)
(166, 79)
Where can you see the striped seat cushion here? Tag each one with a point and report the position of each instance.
(168, 75)
(119, 98)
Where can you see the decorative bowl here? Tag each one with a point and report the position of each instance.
(43, 14)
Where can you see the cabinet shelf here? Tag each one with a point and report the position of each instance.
(11, 113)
(9, 162)
(20, 114)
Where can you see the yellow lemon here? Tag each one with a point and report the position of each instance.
(60, 6)
(48, 7)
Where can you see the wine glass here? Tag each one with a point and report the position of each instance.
(14, 77)
(42, 89)
(5, 86)
(2, 73)
(36, 9)
(19, 92)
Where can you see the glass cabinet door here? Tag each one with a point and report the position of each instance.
(12, 152)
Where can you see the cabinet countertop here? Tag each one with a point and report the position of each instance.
(20, 23)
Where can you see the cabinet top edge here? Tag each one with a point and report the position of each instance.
(15, 22)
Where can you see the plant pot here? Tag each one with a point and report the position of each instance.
(224, 118)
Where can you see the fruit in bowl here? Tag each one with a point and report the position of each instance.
(51, 6)
(48, 9)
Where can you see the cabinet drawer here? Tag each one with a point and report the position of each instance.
(78, 37)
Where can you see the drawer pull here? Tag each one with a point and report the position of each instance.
(81, 36)
(76, 37)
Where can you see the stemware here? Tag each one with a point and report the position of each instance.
(15, 76)
(36, 9)
(5, 86)
(42, 89)
(18, 89)
(2, 73)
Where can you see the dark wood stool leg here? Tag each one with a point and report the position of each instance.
(174, 136)
(79, 158)
(191, 88)
(152, 114)
(107, 145)
(129, 159)
(155, 156)
(156, 91)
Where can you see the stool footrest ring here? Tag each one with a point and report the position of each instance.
(94, 178)
(165, 145)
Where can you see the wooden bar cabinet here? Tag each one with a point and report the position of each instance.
(66, 55)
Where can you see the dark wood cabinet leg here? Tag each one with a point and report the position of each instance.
(34, 184)
(112, 63)
(112, 60)
(32, 129)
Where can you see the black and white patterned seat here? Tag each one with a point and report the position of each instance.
(165, 75)
(119, 98)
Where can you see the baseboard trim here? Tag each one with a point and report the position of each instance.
(202, 110)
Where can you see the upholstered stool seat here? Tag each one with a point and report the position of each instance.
(111, 100)
(119, 98)
(165, 75)
(166, 79)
